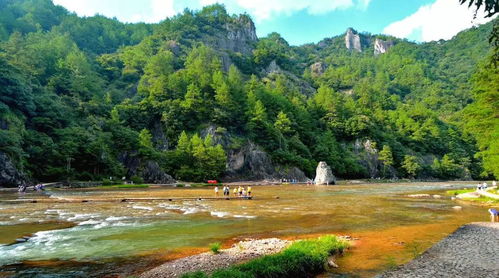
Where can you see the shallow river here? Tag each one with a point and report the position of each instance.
(117, 239)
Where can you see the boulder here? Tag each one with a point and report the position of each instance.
(323, 174)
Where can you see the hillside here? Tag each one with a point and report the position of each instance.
(199, 96)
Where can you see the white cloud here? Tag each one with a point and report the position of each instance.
(440, 20)
(161, 9)
(82, 8)
(264, 9)
(124, 10)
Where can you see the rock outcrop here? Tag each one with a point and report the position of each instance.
(250, 162)
(317, 69)
(324, 175)
(353, 40)
(381, 46)
(152, 173)
(240, 37)
(9, 175)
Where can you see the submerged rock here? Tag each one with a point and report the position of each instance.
(323, 174)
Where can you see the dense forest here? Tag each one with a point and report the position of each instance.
(198, 96)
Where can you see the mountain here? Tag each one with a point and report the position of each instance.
(199, 96)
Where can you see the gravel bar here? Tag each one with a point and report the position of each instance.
(471, 251)
(208, 262)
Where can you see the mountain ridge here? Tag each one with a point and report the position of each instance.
(199, 96)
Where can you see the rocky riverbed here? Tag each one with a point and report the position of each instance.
(471, 251)
(208, 262)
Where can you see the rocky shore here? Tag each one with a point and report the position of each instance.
(471, 251)
(208, 262)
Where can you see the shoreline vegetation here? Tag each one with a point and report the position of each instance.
(259, 258)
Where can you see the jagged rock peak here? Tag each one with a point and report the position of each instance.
(381, 46)
(240, 36)
(352, 40)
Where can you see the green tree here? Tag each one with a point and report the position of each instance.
(411, 165)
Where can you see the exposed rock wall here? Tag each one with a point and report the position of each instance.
(252, 163)
(353, 40)
(9, 175)
(381, 46)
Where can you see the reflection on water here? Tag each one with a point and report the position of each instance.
(383, 219)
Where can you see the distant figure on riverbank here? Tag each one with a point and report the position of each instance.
(249, 190)
(226, 190)
(494, 183)
(216, 191)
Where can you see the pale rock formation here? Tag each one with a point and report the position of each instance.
(323, 174)
(381, 46)
(352, 40)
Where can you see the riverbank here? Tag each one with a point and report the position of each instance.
(257, 258)
(471, 251)
(208, 262)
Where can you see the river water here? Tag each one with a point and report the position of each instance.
(117, 239)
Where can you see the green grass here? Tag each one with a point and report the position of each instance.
(460, 191)
(215, 247)
(125, 186)
(481, 199)
(305, 258)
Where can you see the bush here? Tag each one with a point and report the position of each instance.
(137, 179)
(215, 247)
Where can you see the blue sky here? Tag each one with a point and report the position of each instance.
(304, 21)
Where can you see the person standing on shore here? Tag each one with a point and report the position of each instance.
(216, 191)
(249, 190)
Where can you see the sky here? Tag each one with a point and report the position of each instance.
(307, 21)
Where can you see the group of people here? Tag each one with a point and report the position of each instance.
(483, 186)
(23, 187)
(239, 191)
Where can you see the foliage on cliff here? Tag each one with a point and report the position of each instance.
(91, 97)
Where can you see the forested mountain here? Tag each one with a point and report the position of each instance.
(199, 96)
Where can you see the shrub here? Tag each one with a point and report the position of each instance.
(215, 247)
(137, 179)
(304, 258)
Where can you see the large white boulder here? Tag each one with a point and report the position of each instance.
(324, 175)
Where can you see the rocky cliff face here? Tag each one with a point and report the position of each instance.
(9, 175)
(353, 40)
(252, 163)
(237, 35)
(381, 46)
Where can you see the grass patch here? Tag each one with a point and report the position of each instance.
(125, 186)
(305, 258)
(459, 191)
(215, 247)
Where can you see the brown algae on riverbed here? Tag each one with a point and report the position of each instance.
(385, 221)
